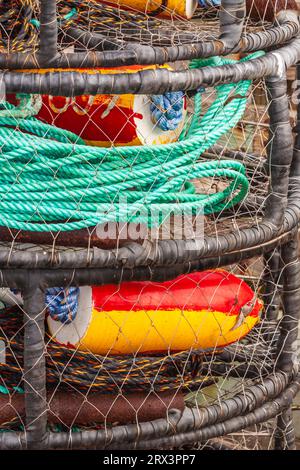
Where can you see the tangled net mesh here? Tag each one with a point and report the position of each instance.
(57, 151)
(227, 151)
(19, 21)
(109, 390)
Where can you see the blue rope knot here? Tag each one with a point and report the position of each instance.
(167, 110)
(209, 3)
(62, 303)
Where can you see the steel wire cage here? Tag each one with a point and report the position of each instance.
(190, 397)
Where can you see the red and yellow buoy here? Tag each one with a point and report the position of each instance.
(203, 310)
(105, 120)
(164, 8)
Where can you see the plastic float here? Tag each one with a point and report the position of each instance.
(203, 310)
(166, 8)
(105, 120)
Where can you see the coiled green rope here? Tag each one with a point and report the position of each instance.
(51, 181)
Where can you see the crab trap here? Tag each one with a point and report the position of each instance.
(149, 210)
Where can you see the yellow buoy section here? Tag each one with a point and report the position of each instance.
(165, 8)
(153, 331)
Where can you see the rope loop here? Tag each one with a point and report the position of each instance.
(62, 303)
(167, 110)
(209, 3)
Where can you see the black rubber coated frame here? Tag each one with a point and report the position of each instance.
(259, 403)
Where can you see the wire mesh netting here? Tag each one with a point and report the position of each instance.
(217, 177)
(148, 219)
(87, 390)
(113, 24)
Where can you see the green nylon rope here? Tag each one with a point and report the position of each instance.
(52, 181)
